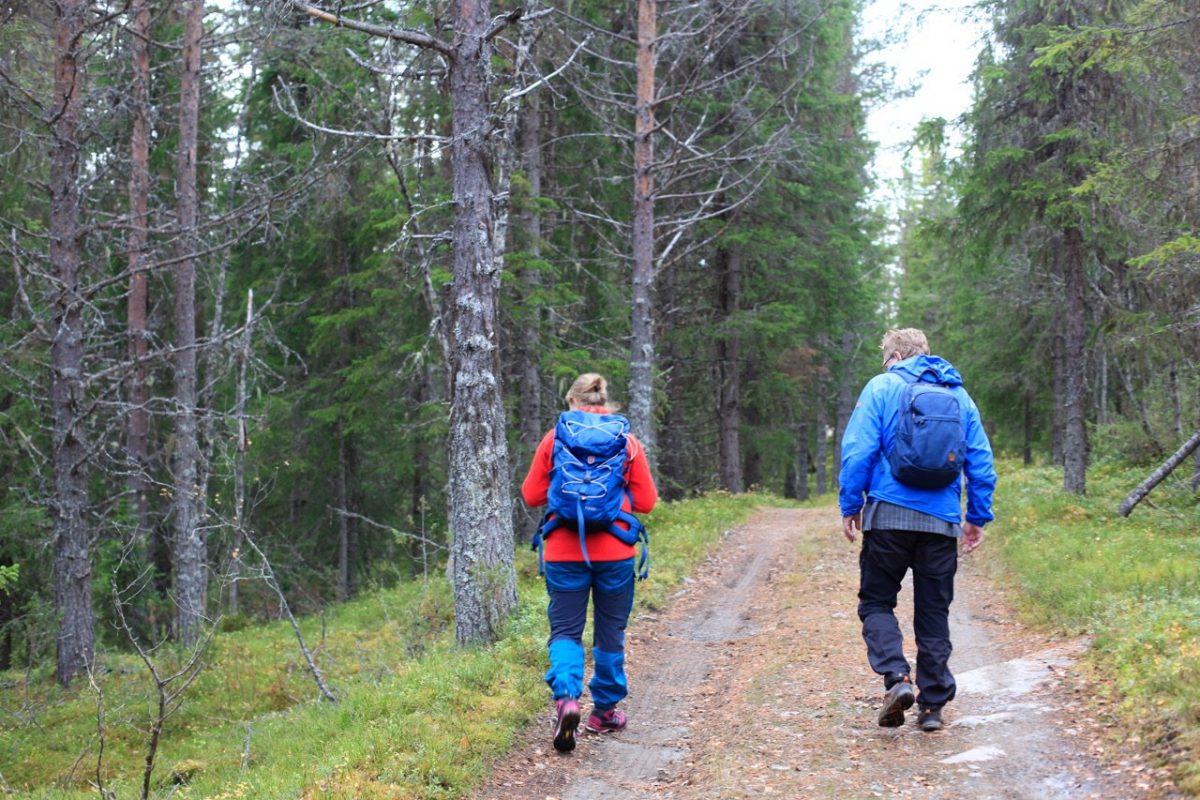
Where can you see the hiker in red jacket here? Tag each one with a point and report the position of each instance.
(599, 564)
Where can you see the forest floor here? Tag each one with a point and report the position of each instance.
(754, 682)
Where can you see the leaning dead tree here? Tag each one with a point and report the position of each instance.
(1159, 474)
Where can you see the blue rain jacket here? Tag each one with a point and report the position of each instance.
(872, 430)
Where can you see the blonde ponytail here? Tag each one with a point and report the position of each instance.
(590, 389)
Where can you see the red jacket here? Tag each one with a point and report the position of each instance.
(601, 546)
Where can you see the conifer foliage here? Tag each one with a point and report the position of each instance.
(309, 283)
(1056, 252)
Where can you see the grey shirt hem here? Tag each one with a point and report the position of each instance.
(881, 516)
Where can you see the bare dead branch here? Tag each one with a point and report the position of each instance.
(405, 35)
(394, 531)
(269, 577)
(169, 700)
(501, 22)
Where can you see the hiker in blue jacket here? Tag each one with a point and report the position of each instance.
(913, 521)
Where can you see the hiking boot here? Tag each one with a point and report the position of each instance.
(605, 721)
(566, 720)
(930, 718)
(899, 697)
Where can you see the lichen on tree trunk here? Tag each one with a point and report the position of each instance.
(482, 569)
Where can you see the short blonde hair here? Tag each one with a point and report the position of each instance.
(904, 342)
(590, 389)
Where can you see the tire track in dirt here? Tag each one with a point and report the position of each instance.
(754, 682)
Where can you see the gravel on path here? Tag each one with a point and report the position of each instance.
(754, 682)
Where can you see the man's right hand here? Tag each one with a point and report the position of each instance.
(851, 524)
(972, 537)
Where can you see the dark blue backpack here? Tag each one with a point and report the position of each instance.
(930, 440)
(587, 482)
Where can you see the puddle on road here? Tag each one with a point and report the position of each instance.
(1012, 711)
(1017, 677)
(984, 753)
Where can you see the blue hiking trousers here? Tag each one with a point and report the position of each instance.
(570, 584)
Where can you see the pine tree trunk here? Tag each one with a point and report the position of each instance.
(343, 566)
(1075, 356)
(641, 363)
(139, 285)
(845, 401)
(72, 561)
(1102, 390)
(191, 574)
(799, 463)
(1058, 408)
(239, 464)
(1027, 444)
(530, 348)
(729, 260)
(7, 614)
(1137, 404)
(418, 548)
(1196, 473)
(1176, 402)
(483, 571)
(673, 466)
(751, 455)
(822, 449)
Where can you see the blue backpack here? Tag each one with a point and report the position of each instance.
(587, 482)
(930, 440)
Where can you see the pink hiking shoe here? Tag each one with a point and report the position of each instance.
(566, 720)
(605, 721)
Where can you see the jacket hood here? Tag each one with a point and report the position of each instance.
(943, 371)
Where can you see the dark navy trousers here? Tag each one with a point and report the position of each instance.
(885, 558)
(609, 585)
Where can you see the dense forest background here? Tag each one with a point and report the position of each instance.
(294, 291)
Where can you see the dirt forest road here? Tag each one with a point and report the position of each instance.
(754, 682)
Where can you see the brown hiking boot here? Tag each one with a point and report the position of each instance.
(930, 718)
(898, 699)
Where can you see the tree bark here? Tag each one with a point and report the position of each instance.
(419, 548)
(1027, 444)
(1176, 403)
(191, 575)
(1196, 471)
(240, 511)
(530, 346)
(1058, 410)
(1102, 393)
(1075, 446)
(72, 561)
(343, 498)
(673, 467)
(798, 468)
(845, 401)
(1157, 476)
(729, 260)
(822, 448)
(751, 455)
(642, 359)
(139, 287)
(483, 571)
